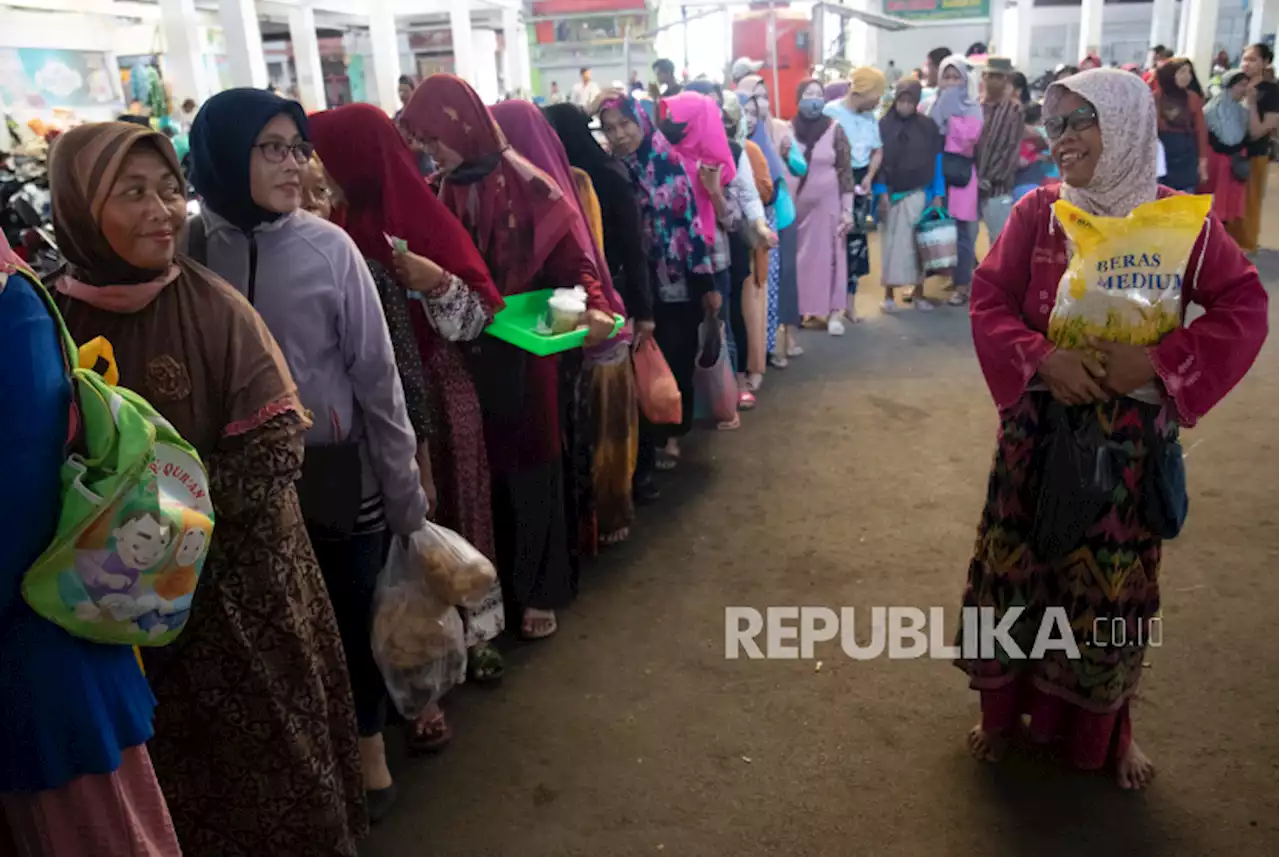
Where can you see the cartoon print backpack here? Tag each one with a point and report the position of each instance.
(136, 518)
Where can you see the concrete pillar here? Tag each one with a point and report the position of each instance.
(460, 29)
(484, 71)
(244, 43)
(1257, 12)
(1017, 33)
(385, 52)
(1184, 27)
(512, 34)
(306, 58)
(995, 44)
(183, 64)
(1164, 23)
(1201, 30)
(1090, 29)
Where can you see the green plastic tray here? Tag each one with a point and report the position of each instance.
(517, 323)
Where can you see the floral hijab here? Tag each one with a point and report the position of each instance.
(1125, 176)
(667, 202)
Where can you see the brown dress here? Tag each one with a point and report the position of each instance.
(255, 745)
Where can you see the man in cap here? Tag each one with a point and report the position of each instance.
(1002, 128)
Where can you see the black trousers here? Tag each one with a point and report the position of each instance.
(676, 334)
(350, 567)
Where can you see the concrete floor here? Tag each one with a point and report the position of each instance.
(858, 482)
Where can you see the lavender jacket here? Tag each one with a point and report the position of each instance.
(312, 288)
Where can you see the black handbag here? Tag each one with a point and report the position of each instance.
(330, 487)
(1241, 166)
(957, 170)
(1080, 473)
(1165, 503)
(498, 370)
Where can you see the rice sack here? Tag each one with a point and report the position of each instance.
(1124, 280)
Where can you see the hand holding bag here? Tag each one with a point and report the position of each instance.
(713, 379)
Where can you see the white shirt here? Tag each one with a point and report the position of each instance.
(584, 93)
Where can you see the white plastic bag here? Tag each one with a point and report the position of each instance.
(418, 639)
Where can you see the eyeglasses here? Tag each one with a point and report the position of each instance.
(1080, 119)
(275, 152)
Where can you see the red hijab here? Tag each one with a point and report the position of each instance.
(538, 142)
(366, 156)
(515, 212)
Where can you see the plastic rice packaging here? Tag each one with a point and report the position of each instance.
(1124, 280)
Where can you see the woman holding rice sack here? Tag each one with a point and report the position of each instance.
(1102, 125)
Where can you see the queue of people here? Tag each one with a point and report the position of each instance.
(318, 337)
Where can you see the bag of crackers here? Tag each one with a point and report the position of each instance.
(1124, 280)
(418, 638)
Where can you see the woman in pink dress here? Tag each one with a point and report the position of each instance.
(824, 202)
(959, 118)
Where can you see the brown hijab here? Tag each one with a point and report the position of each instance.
(182, 338)
(83, 165)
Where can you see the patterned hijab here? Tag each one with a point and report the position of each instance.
(734, 118)
(515, 212)
(953, 100)
(667, 202)
(83, 166)
(1125, 176)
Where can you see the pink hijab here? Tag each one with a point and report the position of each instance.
(704, 142)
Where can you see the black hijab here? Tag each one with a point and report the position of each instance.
(911, 145)
(222, 139)
(611, 180)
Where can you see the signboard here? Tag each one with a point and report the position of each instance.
(56, 78)
(937, 10)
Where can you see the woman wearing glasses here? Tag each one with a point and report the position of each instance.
(310, 284)
(1102, 127)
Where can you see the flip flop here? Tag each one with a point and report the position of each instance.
(427, 737)
(485, 665)
(545, 618)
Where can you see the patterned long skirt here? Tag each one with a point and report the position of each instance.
(255, 745)
(775, 278)
(460, 468)
(1108, 586)
(617, 438)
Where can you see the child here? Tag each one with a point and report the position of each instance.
(1033, 156)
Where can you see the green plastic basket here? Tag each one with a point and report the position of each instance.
(517, 323)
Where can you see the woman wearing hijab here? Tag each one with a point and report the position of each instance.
(310, 284)
(77, 714)
(1102, 124)
(1227, 121)
(855, 110)
(680, 265)
(1180, 111)
(824, 206)
(377, 192)
(752, 271)
(255, 743)
(583, 381)
(627, 259)
(525, 230)
(959, 119)
(908, 180)
(773, 136)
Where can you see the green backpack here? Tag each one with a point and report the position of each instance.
(136, 518)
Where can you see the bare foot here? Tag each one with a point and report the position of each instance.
(1135, 771)
(985, 746)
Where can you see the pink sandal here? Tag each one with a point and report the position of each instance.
(746, 400)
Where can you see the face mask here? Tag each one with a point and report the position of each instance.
(811, 108)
